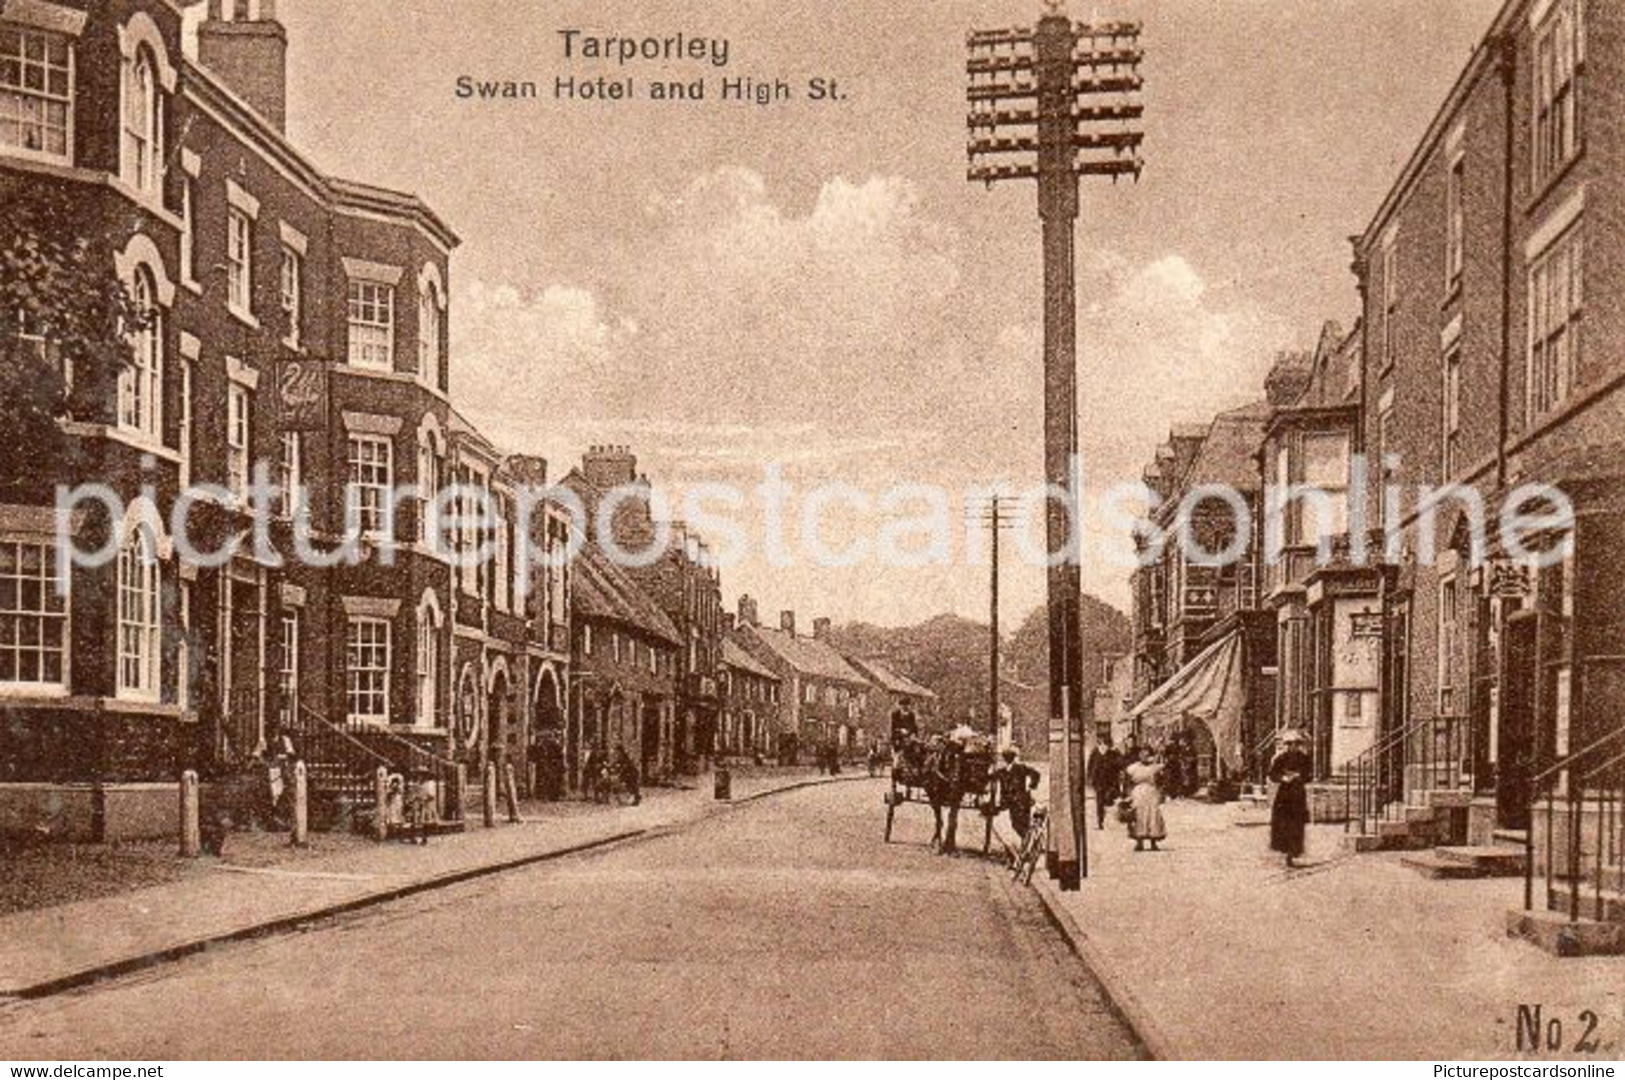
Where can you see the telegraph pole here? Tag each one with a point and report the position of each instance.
(997, 519)
(1053, 104)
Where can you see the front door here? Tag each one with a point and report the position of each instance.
(1516, 724)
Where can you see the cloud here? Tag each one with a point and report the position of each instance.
(837, 340)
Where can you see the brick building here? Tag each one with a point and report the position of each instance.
(673, 568)
(1490, 281)
(749, 692)
(822, 696)
(1202, 660)
(301, 322)
(1327, 611)
(625, 662)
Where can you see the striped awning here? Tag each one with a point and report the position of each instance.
(1209, 690)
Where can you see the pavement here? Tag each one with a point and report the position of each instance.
(783, 928)
(1213, 950)
(51, 949)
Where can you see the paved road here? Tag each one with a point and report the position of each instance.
(783, 929)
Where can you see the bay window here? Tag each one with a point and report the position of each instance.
(367, 648)
(371, 481)
(36, 93)
(142, 156)
(33, 617)
(139, 381)
(372, 325)
(138, 618)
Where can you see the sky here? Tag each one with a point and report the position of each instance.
(721, 286)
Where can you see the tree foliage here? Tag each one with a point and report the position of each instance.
(62, 310)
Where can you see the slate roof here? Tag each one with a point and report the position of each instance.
(735, 656)
(1227, 454)
(603, 591)
(809, 656)
(892, 681)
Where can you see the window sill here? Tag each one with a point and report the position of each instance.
(1545, 188)
(133, 440)
(62, 164)
(36, 691)
(420, 729)
(242, 316)
(150, 201)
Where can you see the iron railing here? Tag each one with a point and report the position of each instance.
(1590, 785)
(1434, 753)
(343, 759)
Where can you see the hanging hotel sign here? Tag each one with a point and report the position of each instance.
(1509, 580)
(301, 387)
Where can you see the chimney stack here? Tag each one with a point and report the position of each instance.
(727, 622)
(787, 622)
(609, 467)
(821, 629)
(747, 612)
(242, 42)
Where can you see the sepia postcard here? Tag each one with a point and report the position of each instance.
(861, 530)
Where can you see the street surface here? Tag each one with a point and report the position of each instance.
(783, 929)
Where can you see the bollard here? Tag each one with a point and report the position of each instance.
(722, 784)
(191, 829)
(510, 789)
(380, 818)
(457, 810)
(488, 796)
(301, 806)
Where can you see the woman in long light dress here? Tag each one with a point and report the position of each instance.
(1145, 797)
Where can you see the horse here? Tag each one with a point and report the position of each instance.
(944, 786)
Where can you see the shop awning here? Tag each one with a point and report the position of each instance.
(1208, 689)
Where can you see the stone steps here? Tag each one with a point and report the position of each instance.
(1553, 932)
(1467, 862)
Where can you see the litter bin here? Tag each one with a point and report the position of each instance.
(723, 784)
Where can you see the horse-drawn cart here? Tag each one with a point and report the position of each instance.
(948, 778)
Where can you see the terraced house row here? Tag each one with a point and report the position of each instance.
(301, 320)
(1458, 696)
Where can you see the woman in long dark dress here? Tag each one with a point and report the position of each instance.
(1289, 812)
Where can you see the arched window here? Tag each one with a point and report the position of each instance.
(468, 708)
(138, 617)
(428, 660)
(143, 149)
(429, 334)
(139, 382)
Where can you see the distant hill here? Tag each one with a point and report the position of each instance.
(950, 655)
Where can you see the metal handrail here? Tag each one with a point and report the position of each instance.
(340, 731)
(1609, 792)
(1570, 759)
(1367, 765)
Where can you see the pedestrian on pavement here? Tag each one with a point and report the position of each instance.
(1145, 797)
(627, 771)
(874, 759)
(1289, 810)
(591, 765)
(1014, 783)
(1106, 777)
